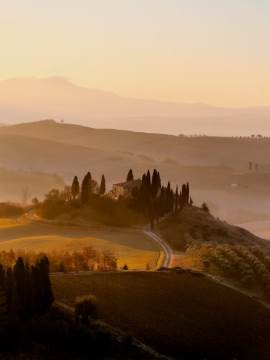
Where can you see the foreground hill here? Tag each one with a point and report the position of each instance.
(181, 315)
(195, 226)
(216, 247)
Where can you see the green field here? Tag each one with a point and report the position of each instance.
(183, 315)
(130, 246)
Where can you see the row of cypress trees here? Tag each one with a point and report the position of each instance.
(86, 189)
(156, 200)
(27, 288)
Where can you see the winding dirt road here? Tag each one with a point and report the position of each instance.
(168, 252)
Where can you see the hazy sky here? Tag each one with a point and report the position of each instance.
(214, 51)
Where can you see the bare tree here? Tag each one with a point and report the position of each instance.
(25, 194)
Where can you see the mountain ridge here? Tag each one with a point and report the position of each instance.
(29, 99)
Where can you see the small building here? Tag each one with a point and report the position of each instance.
(125, 189)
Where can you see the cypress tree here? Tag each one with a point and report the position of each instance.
(176, 202)
(130, 176)
(158, 180)
(155, 186)
(46, 296)
(187, 195)
(2, 276)
(86, 188)
(10, 290)
(148, 179)
(102, 188)
(20, 286)
(75, 187)
(168, 197)
(142, 193)
(148, 187)
(89, 177)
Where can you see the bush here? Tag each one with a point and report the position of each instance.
(54, 204)
(85, 308)
(205, 208)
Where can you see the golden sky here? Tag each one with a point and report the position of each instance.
(210, 51)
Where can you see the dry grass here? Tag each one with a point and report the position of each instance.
(184, 315)
(130, 246)
(8, 223)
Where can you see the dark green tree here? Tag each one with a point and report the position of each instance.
(46, 295)
(10, 290)
(130, 176)
(2, 276)
(176, 200)
(86, 188)
(20, 287)
(75, 188)
(156, 184)
(102, 188)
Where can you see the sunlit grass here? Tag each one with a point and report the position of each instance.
(130, 247)
(8, 222)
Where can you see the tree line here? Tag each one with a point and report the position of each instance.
(86, 189)
(27, 288)
(156, 200)
(86, 259)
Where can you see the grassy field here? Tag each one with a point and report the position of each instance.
(8, 223)
(183, 315)
(130, 246)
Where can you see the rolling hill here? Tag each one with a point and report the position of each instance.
(186, 151)
(206, 162)
(127, 245)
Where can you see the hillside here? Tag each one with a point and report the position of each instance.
(181, 315)
(213, 246)
(185, 151)
(194, 226)
(206, 162)
(129, 246)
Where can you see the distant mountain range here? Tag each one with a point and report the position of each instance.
(31, 99)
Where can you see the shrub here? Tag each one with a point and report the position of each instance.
(54, 204)
(85, 308)
(205, 208)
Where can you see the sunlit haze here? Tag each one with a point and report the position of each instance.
(215, 52)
